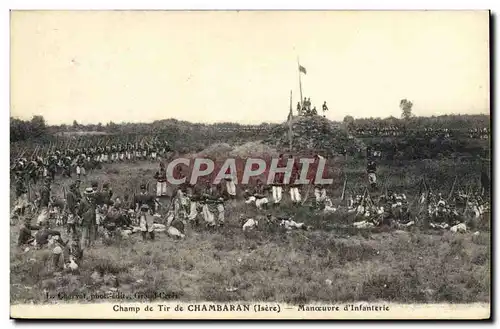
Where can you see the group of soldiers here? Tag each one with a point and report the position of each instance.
(476, 133)
(86, 213)
(305, 109)
(479, 133)
(432, 209)
(78, 160)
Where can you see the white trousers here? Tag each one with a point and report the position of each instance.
(161, 188)
(43, 216)
(320, 194)
(80, 170)
(208, 216)
(295, 194)
(277, 193)
(231, 187)
(221, 211)
(193, 210)
(261, 202)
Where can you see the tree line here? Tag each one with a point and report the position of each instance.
(21, 130)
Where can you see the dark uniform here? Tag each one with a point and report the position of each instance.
(71, 209)
(371, 168)
(87, 212)
(144, 198)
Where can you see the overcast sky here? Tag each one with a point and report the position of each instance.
(240, 66)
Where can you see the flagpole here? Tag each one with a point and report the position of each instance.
(290, 118)
(300, 85)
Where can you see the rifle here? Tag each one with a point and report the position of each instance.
(343, 189)
(35, 151)
(452, 187)
(307, 194)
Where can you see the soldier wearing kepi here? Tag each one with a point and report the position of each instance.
(144, 198)
(80, 165)
(146, 221)
(161, 178)
(71, 209)
(106, 193)
(21, 198)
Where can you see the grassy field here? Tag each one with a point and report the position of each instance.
(330, 263)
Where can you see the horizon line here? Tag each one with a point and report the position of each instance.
(239, 123)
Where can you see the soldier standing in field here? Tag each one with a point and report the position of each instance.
(71, 209)
(144, 198)
(146, 221)
(325, 108)
(44, 202)
(371, 169)
(77, 192)
(161, 181)
(277, 184)
(87, 213)
(21, 198)
(294, 187)
(80, 165)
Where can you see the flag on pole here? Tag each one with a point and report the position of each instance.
(302, 69)
(290, 119)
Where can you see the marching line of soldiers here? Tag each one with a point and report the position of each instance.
(392, 130)
(79, 160)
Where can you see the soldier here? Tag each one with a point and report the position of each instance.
(111, 219)
(52, 167)
(87, 213)
(230, 187)
(144, 198)
(371, 169)
(299, 109)
(77, 192)
(25, 236)
(218, 199)
(67, 166)
(369, 152)
(73, 253)
(44, 234)
(146, 221)
(95, 186)
(259, 195)
(71, 209)
(102, 200)
(80, 165)
(121, 149)
(294, 188)
(278, 182)
(44, 202)
(106, 193)
(161, 178)
(194, 196)
(21, 198)
(325, 108)
(114, 153)
(33, 171)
